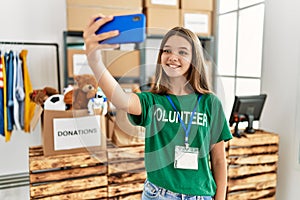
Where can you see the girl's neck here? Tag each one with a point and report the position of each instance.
(180, 87)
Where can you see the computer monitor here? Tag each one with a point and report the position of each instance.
(246, 108)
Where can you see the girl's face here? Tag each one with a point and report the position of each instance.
(177, 56)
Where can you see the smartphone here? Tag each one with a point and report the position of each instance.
(132, 29)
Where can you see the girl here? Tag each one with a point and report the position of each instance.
(185, 123)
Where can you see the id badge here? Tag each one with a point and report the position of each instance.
(186, 158)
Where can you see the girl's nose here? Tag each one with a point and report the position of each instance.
(173, 57)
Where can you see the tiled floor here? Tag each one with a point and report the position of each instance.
(18, 193)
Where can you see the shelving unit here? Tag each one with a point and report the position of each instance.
(70, 39)
(74, 39)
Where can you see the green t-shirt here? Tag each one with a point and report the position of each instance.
(164, 132)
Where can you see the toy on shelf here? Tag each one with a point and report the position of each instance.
(39, 96)
(98, 104)
(83, 91)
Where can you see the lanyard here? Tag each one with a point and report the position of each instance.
(186, 129)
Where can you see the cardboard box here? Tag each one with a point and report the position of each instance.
(110, 122)
(200, 22)
(72, 131)
(78, 17)
(207, 5)
(77, 62)
(122, 133)
(119, 63)
(161, 20)
(122, 63)
(111, 116)
(161, 3)
(107, 3)
(80, 11)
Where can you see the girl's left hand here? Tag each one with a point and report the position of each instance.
(92, 41)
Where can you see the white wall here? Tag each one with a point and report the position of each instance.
(280, 73)
(31, 21)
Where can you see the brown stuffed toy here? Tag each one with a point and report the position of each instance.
(81, 94)
(39, 96)
(68, 99)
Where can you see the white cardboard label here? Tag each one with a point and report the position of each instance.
(196, 22)
(79, 132)
(165, 2)
(80, 65)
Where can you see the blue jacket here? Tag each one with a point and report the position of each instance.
(9, 80)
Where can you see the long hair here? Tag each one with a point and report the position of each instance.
(196, 75)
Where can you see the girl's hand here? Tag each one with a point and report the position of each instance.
(92, 40)
(111, 88)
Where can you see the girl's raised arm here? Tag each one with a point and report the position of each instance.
(111, 88)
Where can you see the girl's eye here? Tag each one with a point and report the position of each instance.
(183, 53)
(166, 51)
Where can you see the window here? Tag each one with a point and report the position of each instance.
(239, 49)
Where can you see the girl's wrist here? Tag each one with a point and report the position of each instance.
(95, 59)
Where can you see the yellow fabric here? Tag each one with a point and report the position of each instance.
(6, 132)
(29, 106)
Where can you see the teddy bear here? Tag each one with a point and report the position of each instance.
(39, 96)
(82, 92)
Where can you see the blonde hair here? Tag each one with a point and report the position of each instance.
(196, 75)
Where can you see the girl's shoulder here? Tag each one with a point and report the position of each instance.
(211, 98)
(148, 96)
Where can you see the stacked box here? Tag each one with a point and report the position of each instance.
(80, 11)
(161, 20)
(197, 15)
(70, 176)
(122, 63)
(126, 172)
(207, 5)
(161, 15)
(161, 4)
(200, 22)
(252, 166)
